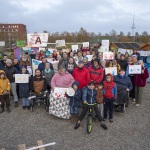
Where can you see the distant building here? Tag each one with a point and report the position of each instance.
(10, 33)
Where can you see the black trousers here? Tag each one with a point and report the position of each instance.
(85, 110)
(132, 92)
(5, 99)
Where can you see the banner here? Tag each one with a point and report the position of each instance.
(123, 51)
(28, 49)
(108, 55)
(74, 47)
(134, 69)
(21, 43)
(112, 70)
(2, 43)
(85, 44)
(35, 64)
(17, 53)
(60, 43)
(144, 53)
(37, 39)
(21, 78)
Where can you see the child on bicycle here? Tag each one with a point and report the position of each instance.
(89, 97)
(110, 95)
(74, 103)
(99, 98)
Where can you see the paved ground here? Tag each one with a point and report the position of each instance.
(130, 131)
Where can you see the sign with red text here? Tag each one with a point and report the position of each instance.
(108, 55)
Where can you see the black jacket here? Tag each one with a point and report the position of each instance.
(123, 64)
(10, 72)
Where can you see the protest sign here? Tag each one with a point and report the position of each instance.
(108, 55)
(74, 47)
(85, 44)
(17, 53)
(35, 64)
(134, 69)
(112, 70)
(105, 43)
(2, 43)
(60, 43)
(21, 78)
(104, 49)
(122, 51)
(89, 57)
(29, 68)
(144, 53)
(28, 49)
(55, 65)
(21, 43)
(60, 92)
(41, 49)
(37, 39)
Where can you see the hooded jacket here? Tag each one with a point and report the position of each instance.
(4, 84)
(75, 100)
(110, 88)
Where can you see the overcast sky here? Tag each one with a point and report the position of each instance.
(69, 15)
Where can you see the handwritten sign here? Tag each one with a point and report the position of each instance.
(35, 64)
(89, 57)
(74, 47)
(21, 78)
(134, 69)
(60, 43)
(104, 49)
(108, 55)
(112, 70)
(60, 92)
(85, 44)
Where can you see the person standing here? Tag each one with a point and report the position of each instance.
(10, 73)
(135, 53)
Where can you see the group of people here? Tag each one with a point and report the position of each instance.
(87, 78)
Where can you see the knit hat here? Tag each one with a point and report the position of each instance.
(80, 61)
(8, 61)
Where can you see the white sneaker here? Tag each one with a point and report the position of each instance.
(133, 100)
(137, 105)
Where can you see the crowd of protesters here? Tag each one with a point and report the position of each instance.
(87, 78)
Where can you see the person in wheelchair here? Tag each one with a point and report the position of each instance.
(124, 86)
(38, 84)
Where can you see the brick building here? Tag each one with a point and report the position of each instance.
(10, 33)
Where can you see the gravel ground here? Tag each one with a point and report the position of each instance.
(130, 130)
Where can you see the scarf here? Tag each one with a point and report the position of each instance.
(47, 71)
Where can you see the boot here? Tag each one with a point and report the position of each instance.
(16, 104)
(2, 110)
(76, 118)
(23, 107)
(28, 107)
(72, 119)
(8, 110)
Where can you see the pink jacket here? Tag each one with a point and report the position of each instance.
(62, 81)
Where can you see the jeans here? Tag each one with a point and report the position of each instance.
(101, 109)
(25, 102)
(14, 92)
(73, 110)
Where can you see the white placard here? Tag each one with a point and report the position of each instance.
(60, 92)
(104, 49)
(122, 51)
(2, 43)
(21, 78)
(74, 47)
(108, 55)
(144, 53)
(89, 57)
(29, 68)
(37, 39)
(105, 43)
(41, 49)
(51, 50)
(35, 64)
(60, 43)
(85, 44)
(112, 70)
(134, 69)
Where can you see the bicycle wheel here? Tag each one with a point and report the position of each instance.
(89, 124)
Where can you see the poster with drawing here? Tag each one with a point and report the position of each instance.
(134, 69)
(35, 64)
(108, 55)
(112, 70)
(21, 78)
(60, 43)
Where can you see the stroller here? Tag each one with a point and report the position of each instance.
(39, 99)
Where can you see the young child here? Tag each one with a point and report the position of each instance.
(110, 94)
(89, 96)
(4, 92)
(74, 103)
(24, 90)
(99, 98)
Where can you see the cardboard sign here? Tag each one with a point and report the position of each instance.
(35, 64)
(85, 44)
(37, 39)
(74, 47)
(108, 55)
(112, 70)
(21, 78)
(60, 43)
(134, 69)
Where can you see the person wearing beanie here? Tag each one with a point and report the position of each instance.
(87, 64)
(10, 73)
(96, 71)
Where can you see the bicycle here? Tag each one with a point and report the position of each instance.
(90, 117)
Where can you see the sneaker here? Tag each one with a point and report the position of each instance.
(104, 119)
(2, 110)
(111, 120)
(137, 105)
(103, 126)
(77, 126)
(16, 104)
(133, 100)
(8, 110)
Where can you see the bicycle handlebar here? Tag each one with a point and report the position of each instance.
(91, 104)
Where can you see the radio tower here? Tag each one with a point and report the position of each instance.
(133, 26)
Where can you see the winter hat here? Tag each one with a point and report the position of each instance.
(80, 61)
(97, 60)
(8, 61)
(91, 83)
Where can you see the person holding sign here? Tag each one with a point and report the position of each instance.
(115, 64)
(140, 82)
(4, 92)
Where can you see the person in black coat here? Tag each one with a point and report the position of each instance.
(135, 53)
(122, 62)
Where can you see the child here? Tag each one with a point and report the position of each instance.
(74, 103)
(24, 91)
(99, 98)
(110, 94)
(89, 96)
(4, 92)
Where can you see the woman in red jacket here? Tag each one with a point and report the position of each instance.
(140, 82)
